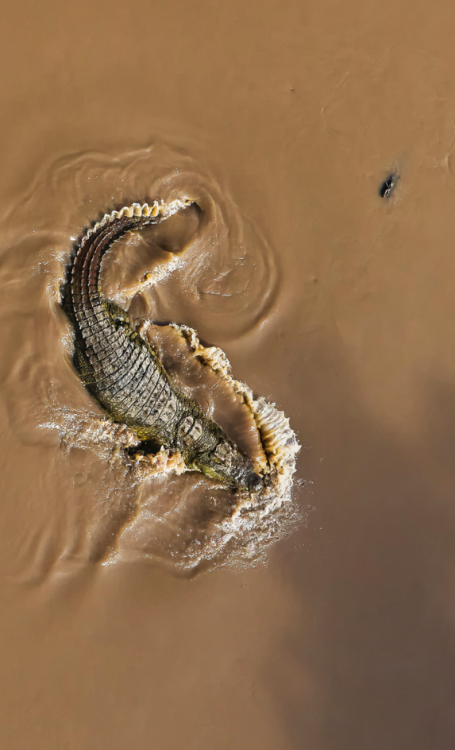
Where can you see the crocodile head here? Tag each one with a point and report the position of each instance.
(228, 465)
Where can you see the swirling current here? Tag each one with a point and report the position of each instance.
(205, 276)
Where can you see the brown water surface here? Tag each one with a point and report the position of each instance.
(133, 615)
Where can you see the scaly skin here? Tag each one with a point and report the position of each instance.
(123, 372)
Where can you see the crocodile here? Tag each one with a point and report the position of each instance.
(123, 371)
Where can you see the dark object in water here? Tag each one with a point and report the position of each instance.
(389, 185)
(122, 370)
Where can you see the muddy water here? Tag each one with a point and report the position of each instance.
(329, 625)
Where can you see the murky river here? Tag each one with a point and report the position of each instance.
(143, 606)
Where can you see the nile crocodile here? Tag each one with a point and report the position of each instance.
(124, 373)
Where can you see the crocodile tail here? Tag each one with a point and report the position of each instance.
(84, 270)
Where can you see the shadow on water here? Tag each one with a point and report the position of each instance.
(369, 661)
